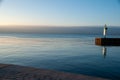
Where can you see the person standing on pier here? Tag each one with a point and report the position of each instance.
(105, 31)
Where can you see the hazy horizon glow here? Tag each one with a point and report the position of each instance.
(60, 12)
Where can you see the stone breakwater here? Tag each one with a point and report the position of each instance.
(107, 41)
(15, 72)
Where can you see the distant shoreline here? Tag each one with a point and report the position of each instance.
(62, 30)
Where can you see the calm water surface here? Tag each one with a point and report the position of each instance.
(64, 52)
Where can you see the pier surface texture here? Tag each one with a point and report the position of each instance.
(14, 72)
(107, 41)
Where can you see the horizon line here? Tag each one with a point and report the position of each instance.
(59, 25)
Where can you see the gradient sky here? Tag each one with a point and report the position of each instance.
(60, 12)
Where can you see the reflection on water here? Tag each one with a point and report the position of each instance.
(104, 51)
(70, 54)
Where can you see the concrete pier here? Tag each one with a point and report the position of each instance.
(14, 72)
(107, 41)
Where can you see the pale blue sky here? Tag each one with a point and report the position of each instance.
(60, 12)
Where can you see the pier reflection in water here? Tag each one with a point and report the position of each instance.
(104, 51)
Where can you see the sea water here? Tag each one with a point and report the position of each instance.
(72, 53)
